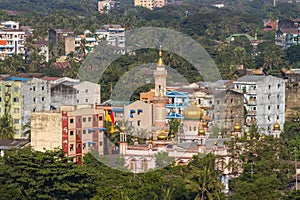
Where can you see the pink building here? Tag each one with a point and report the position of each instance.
(160, 3)
(105, 6)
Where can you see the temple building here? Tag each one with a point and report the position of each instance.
(140, 153)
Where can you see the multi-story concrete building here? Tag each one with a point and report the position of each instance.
(21, 96)
(10, 25)
(228, 108)
(150, 4)
(105, 6)
(67, 91)
(114, 35)
(56, 35)
(139, 114)
(11, 42)
(160, 3)
(35, 97)
(145, 4)
(74, 129)
(264, 100)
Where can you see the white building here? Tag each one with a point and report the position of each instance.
(67, 91)
(264, 99)
(114, 35)
(11, 42)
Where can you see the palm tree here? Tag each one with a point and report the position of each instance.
(203, 178)
(7, 130)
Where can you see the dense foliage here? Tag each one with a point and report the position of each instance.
(208, 25)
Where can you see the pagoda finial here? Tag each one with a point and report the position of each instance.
(160, 60)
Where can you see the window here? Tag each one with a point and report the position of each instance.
(16, 121)
(254, 108)
(16, 89)
(33, 99)
(83, 145)
(100, 143)
(84, 119)
(86, 91)
(71, 132)
(269, 118)
(86, 100)
(43, 98)
(34, 88)
(89, 119)
(269, 87)
(278, 96)
(43, 88)
(16, 110)
(71, 147)
(79, 146)
(218, 102)
(84, 131)
(71, 120)
(0, 99)
(269, 107)
(278, 107)
(231, 100)
(77, 91)
(77, 100)
(195, 128)
(278, 86)
(78, 120)
(100, 118)
(269, 96)
(139, 122)
(15, 99)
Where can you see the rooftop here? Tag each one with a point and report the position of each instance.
(250, 78)
(9, 144)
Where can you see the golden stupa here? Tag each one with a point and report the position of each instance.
(276, 127)
(193, 112)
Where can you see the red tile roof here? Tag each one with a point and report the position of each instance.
(63, 65)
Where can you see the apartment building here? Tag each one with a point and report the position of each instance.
(76, 130)
(150, 4)
(67, 91)
(105, 6)
(21, 96)
(114, 35)
(228, 108)
(11, 42)
(264, 100)
(56, 35)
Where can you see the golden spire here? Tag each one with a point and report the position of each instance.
(160, 60)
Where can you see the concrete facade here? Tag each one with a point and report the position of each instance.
(11, 42)
(228, 108)
(139, 114)
(74, 129)
(264, 100)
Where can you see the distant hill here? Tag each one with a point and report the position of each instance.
(45, 6)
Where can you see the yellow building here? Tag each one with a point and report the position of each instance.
(145, 3)
(11, 102)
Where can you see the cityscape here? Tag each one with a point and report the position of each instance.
(150, 99)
